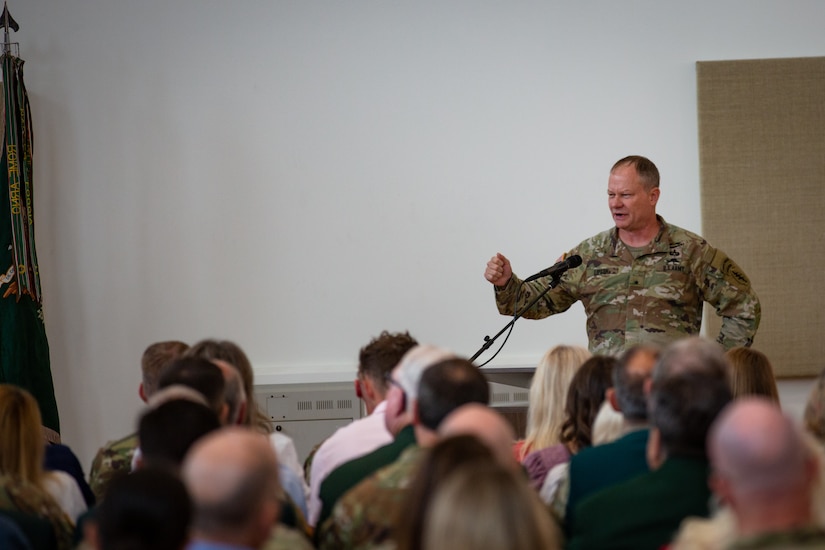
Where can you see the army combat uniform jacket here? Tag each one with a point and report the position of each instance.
(365, 516)
(650, 295)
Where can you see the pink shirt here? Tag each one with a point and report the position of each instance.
(347, 443)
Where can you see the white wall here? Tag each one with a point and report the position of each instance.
(297, 176)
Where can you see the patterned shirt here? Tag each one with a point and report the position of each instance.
(110, 462)
(365, 516)
(650, 296)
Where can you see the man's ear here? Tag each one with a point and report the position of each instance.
(654, 196)
(610, 395)
(358, 392)
(142, 393)
(368, 389)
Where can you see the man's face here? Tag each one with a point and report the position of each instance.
(633, 208)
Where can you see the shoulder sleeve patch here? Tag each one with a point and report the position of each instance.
(731, 272)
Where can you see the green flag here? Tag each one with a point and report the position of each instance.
(24, 349)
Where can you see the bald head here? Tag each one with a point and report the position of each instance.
(232, 476)
(487, 425)
(757, 449)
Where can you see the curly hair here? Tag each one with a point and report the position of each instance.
(584, 398)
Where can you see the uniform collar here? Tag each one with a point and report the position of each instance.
(660, 243)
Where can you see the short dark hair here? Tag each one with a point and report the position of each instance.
(584, 399)
(199, 374)
(446, 386)
(647, 171)
(630, 387)
(377, 359)
(149, 509)
(167, 432)
(683, 407)
(232, 353)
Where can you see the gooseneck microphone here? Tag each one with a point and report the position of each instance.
(558, 269)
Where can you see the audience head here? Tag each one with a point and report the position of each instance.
(751, 374)
(174, 392)
(682, 409)
(147, 510)
(376, 361)
(548, 392)
(233, 393)
(155, 359)
(201, 375)
(403, 384)
(692, 354)
(167, 431)
(485, 506)
(21, 439)
(487, 425)
(230, 352)
(584, 399)
(232, 476)
(689, 386)
(762, 466)
(448, 455)
(443, 388)
(633, 370)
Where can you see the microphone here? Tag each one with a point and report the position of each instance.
(558, 269)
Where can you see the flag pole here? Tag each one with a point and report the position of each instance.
(8, 22)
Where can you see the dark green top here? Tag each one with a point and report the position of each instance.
(644, 512)
(596, 468)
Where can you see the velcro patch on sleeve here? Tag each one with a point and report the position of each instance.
(731, 272)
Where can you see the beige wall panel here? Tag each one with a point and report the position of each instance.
(762, 156)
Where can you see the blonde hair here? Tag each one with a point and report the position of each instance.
(548, 393)
(751, 373)
(484, 506)
(21, 441)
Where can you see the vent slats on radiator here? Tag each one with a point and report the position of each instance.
(324, 403)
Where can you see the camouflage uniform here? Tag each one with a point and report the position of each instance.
(111, 462)
(287, 538)
(365, 516)
(655, 297)
(798, 539)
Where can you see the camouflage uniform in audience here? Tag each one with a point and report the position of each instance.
(653, 295)
(799, 539)
(287, 538)
(111, 462)
(366, 514)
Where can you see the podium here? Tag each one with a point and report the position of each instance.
(519, 377)
(509, 393)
